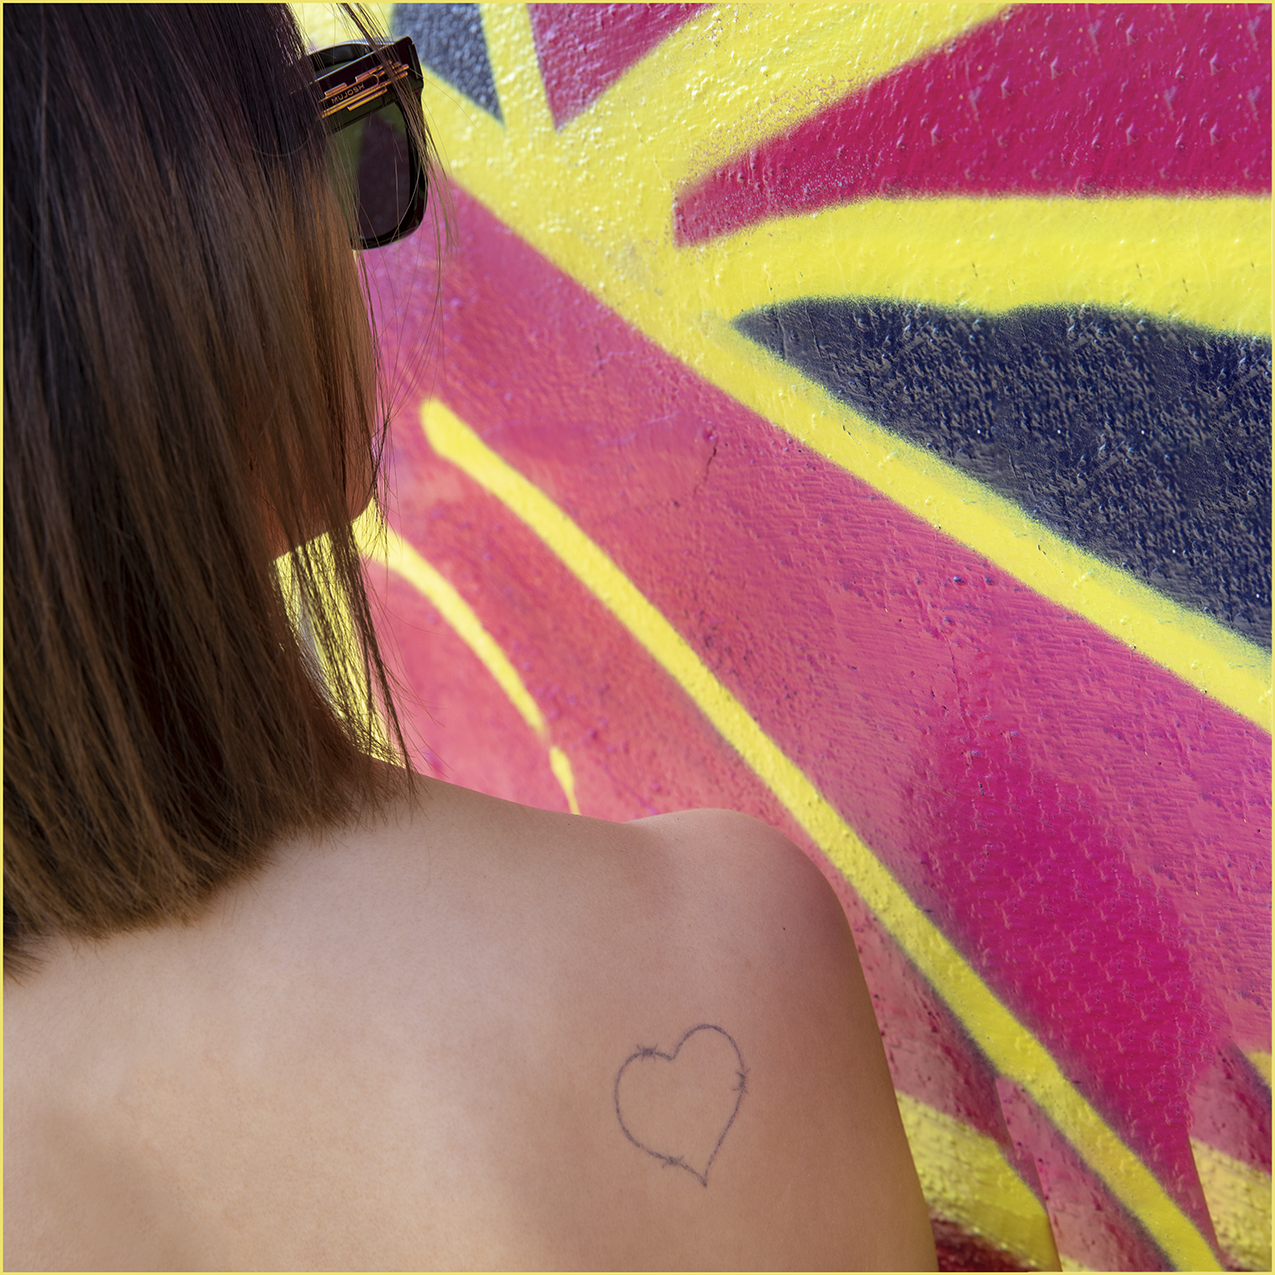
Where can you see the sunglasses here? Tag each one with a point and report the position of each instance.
(364, 95)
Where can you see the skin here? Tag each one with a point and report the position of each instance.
(397, 1048)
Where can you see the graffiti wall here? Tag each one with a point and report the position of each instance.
(859, 416)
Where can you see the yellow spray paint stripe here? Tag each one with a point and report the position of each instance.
(1195, 647)
(578, 212)
(1009, 1046)
(1261, 1060)
(966, 1179)
(560, 764)
(755, 70)
(1239, 1199)
(523, 104)
(1203, 261)
(382, 544)
(326, 24)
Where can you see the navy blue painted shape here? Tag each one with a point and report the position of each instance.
(1146, 442)
(449, 39)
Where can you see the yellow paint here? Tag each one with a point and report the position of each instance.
(1261, 1060)
(324, 25)
(1239, 1200)
(966, 1178)
(1205, 261)
(515, 70)
(381, 544)
(1012, 1049)
(597, 200)
(561, 767)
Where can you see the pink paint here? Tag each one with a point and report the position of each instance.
(1231, 1109)
(1043, 100)
(1092, 833)
(584, 48)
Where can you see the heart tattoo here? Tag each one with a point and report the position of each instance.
(679, 1107)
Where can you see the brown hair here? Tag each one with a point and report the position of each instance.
(189, 389)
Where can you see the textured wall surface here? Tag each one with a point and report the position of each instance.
(859, 415)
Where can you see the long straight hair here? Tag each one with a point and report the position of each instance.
(189, 390)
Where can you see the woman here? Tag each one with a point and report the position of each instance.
(273, 1001)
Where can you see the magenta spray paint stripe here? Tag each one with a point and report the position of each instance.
(1050, 99)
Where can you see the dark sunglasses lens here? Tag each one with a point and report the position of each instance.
(376, 158)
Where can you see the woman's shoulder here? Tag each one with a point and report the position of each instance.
(709, 902)
(466, 1034)
(456, 868)
(680, 1065)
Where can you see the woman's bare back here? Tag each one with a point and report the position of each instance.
(471, 1035)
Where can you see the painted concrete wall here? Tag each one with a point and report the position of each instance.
(860, 416)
